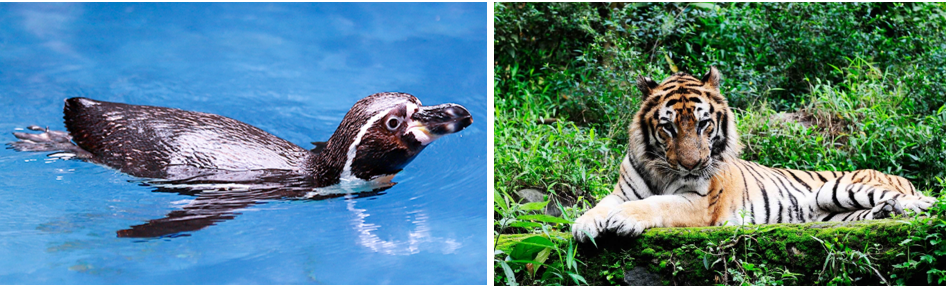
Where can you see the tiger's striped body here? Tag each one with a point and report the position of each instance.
(682, 169)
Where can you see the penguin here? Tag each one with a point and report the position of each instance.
(193, 153)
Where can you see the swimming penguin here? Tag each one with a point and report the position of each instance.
(380, 135)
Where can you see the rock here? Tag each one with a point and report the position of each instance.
(533, 195)
(530, 195)
(639, 276)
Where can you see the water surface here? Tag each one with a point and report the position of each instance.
(292, 70)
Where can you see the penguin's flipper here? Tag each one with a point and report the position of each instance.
(48, 140)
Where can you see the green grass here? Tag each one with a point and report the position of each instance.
(864, 122)
(557, 155)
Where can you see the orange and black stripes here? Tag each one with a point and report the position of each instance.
(682, 168)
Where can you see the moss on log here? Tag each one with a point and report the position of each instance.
(702, 255)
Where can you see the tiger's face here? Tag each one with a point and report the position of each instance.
(686, 125)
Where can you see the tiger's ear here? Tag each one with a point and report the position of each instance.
(712, 78)
(645, 84)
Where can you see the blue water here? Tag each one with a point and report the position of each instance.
(290, 69)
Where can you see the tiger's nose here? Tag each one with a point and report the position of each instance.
(688, 158)
(689, 163)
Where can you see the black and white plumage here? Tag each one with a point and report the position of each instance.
(193, 152)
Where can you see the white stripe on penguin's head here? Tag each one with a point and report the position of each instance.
(350, 156)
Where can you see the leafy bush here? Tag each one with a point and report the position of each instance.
(861, 123)
(766, 50)
(926, 249)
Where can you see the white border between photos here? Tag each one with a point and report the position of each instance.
(490, 146)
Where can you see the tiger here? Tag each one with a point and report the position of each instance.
(682, 169)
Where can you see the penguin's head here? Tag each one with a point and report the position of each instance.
(383, 132)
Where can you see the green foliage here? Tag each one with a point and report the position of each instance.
(737, 263)
(549, 252)
(533, 34)
(561, 156)
(766, 50)
(846, 266)
(925, 246)
(863, 122)
(771, 254)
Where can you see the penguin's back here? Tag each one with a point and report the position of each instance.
(157, 142)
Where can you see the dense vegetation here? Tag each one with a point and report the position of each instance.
(816, 86)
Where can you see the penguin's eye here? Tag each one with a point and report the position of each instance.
(393, 123)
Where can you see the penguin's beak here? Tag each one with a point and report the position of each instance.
(432, 122)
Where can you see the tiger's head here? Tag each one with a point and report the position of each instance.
(684, 128)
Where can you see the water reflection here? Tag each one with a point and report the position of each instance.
(220, 196)
(216, 203)
(418, 237)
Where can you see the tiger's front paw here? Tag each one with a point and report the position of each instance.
(624, 222)
(919, 204)
(591, 224)
(887, 209)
